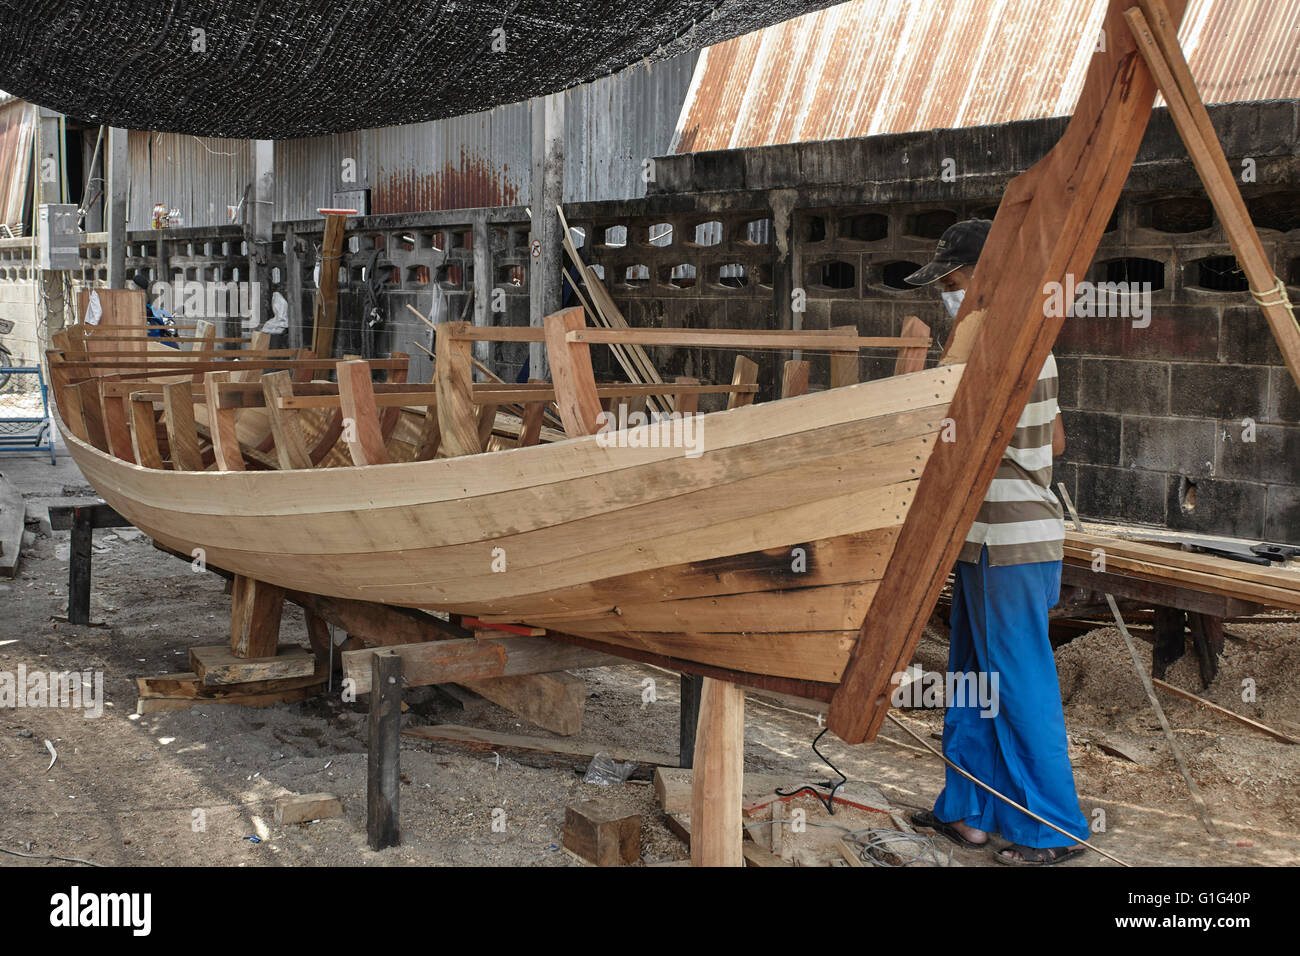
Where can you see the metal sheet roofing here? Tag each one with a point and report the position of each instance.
(870, 67)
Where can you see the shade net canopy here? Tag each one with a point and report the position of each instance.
(275, 69)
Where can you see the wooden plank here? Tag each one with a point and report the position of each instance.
(466, 660)
(688, 721)
(454, 377)
(1156, 34)
(221, 426)
(159, 705)
(255, 611)
(363, 435)
(487, 419)
(575, 383)
(189, 684)
(912, 359)
(258, 347)
(488, 740)
(215, 664)
(778, 340)
(717, 784)
(430, 435)
(327, 293)
(383, 757)
(286, 430)
(92, 413)
(602, 833)
(304, 808)
(1048, 225)
(794, 378)
(144, 435)
(116, 415)
(182, 430)
(1177, 560)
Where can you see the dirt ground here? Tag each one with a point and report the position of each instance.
(197, 787)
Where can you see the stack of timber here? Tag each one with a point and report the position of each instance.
(1165, 564)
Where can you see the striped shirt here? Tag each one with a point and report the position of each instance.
(1020, 520)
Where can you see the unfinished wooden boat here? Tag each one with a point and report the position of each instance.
(747, 541)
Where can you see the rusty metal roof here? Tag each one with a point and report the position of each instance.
(869, 67)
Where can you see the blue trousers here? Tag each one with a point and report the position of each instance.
(999, 626)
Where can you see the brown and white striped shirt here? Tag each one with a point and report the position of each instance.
(1020, 520)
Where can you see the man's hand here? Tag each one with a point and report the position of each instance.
(1058, 437)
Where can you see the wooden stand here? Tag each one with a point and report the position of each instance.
(81, 521)
(383, 761)
(691, 687)
(718, 782)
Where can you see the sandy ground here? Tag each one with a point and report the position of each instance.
(197, 787)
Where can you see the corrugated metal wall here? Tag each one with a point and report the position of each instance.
(613, 126)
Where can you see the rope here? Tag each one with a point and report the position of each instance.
(1282, 299)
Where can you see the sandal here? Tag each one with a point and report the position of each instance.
(1037, 856)
(927, 819)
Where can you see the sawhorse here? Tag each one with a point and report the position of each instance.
(81, 520)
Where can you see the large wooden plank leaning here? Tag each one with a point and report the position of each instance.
(1049, 224)
(327, 295)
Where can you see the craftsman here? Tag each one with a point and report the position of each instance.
(1008, 576)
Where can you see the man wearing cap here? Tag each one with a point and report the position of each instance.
(1008, 576)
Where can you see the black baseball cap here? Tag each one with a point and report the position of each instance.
(960, 245)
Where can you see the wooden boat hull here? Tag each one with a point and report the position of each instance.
(759, 555)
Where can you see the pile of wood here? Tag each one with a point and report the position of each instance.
(1167, 564)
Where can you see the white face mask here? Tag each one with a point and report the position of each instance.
(952, 301)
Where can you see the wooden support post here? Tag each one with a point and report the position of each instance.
(575, 383)
(144, 434)
(487, 420)
(717, 785)
(794, 379)
(383, 760)
(357, 400)
(255, 611)
(92, 413)
(119, 183)
(691, 686)
(116, 415)
(205, 340)
(1170, 638)
(454, 382)
(286, 430)
(430, 436)
(79, 569)
(745, 373)
(1207, 636)
(182, 433)
(260, 342)
(911, 359)
(327, 295)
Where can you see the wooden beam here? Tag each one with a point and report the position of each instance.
(144, 435)
(575, 383)
(286, 429)
(217, 665)
(488, 740)
(912, 359)
(383, 757)
(357, 399)
(255, 611)
(844, 365)
(221, 426)
(1156, 34)
(552, 701)
(794, 378)
(717, 785)
(327, 294)
(530, 428)
(443, 661)
(1048, 225)
(744, 373)
(454, 378)
(688, 403)
(776, 340)
(116, 414)
(92, 413)
(182, 430)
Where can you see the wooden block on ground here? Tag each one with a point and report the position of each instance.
(217, 665)
(307, 807)
(603, 834)
(553, 702)
(158, 705)
(487, 740)
(189, 684)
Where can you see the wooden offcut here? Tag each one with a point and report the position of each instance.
(217, 665)
(601, 833)
(303, 808)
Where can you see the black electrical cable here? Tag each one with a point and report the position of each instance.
(826, 801)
